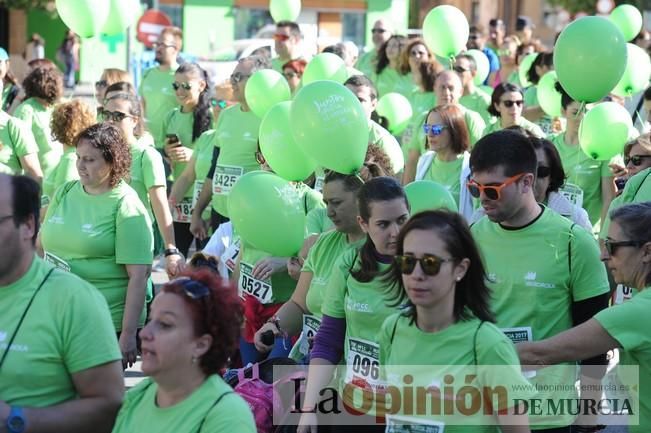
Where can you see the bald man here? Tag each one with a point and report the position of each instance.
(381, 32)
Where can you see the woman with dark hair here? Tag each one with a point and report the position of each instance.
(10, 87)
(43, 88)
(182, 127)
(438, 279)
(293, 72)
(387, 76)
(353, 306)
(447, 160)
(97, 228)
(507, 52)
(507, 103)
(543, 63)
(627, 254)
(193, 331)
(419, 62)
(637, 157)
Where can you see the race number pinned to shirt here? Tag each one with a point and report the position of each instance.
(58, 262)
(363, 364)
(622, 294)
(519, 335)
(230, 255)
(404, 424)
(196, 192)
(261, 289)
(310, 327)
(182, 212)
(318, 183)
(573, 193)
(225, 177)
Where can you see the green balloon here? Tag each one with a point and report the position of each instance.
(548, 97)
(637, 72)
(604, 130)
(122, 14)
(330, 125)
(284, 10)
(590, 58)
(267, 212)
(325, 66)
(446, 31)
(483, 66)
(397, 109)
(265, 89)
(428, 195)
(279, 148)
(628, 19)
(523, 69)
(84, 17)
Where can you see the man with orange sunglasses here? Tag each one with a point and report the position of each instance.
(544, 271)
(287, 41)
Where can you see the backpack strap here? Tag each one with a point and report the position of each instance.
(203, 420)
(474, 342)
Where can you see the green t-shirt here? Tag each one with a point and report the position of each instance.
(402, 343)
(629, 323)
(584, 172)
(237, 139)
(380, 137)
(533, 300)
(366, 63)
(66, 330)
(637, 190)
(7, 90)
(16, 141)
(157, 92)
(37, 118)
(320, 262)
(421, 102)
(65, 171)
(317, 222)
(97, 235)
(390, 80)
(274, 290)
(448, 174)
(478, 101)
(203, 150)
(179, 123)
(523, 123)
(147, 172)
(140, 413)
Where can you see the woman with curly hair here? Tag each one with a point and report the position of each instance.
(387, 76)
(97, 227)
(194, 328)
(43, 88)
(68, 120)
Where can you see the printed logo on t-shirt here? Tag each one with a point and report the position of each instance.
(357, 306)
(88, 229)
(319, 281)
(55, 219)
(530, 281)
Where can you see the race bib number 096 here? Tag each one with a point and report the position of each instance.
(363, 369)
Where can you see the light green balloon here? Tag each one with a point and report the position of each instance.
(637, 72)
(267, 212)
(428, 195)
(590, 58)
(84, 17)
(330, 125)
(122, 14)
(483, 66)
(548, 97)
(628, 19)
(524, 67)
(265, 89)
(325, 66)
(446, 31)
(279, 148)
(284, 10)
(397, 109)
(604, 130)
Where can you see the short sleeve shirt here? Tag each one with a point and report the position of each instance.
(16, 141)
(157, 91)
(65, 171)
(147, 171)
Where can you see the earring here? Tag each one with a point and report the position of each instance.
(459, 279)
(194, 359)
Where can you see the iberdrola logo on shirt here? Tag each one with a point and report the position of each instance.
(530, 281)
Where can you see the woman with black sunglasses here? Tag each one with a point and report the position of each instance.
(507, 103)
(194, 326)
(439, 281)
(637, 157)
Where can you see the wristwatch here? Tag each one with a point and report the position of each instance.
(171, 252)
(16, 420)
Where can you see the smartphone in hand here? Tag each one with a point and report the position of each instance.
(173, 140)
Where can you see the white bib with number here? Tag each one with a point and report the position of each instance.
(573, 193)
(261, 289)
(363, 364)
(182, 212)
(196, 192)
(622, 294)
(225, 177)
(405, 424)
(318, 183)
(519, 335)
(56, 261)
(230, 255)
(311, 325)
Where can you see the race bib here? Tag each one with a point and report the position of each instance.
(225, 177)
(363, 364)
(519, 335)
(310, 327)
(622, 294)
(182, 212)
(198, 185)
(404, 424)
(58, 262)
(260, 289)
(573, 193)
(318, 183)
(230, 255)
(45, 201)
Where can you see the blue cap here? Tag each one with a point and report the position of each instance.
(3, 54)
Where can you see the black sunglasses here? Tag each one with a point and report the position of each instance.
(193, 289)
(460, 70)
(378, 30)
(100, 83)
(509, 103)
(185, 86)
(543, 171)
(611, 246)
(114, 116)
(635, 159)
(431, 265)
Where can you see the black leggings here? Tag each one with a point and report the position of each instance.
(183, 237)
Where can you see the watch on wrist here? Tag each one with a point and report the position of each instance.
(16, 421)
(171, 252)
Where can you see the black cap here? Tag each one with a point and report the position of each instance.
(522, 22)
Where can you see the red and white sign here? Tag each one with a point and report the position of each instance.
(150, 25)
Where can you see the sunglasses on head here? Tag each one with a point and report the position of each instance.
(218, 103)
(433, 129)
(508, 103)
(193, 289)
(281, 37)
(114, 116)
(611, 246)
(492, 192)
(543, 171)
(101, 83)
(431, 265)
(635, 159)
(186, 86)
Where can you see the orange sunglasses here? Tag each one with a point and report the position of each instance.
(492, 192)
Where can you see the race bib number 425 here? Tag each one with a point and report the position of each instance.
(225, 177)
(261, 289)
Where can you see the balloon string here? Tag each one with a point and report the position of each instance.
(452, 59)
